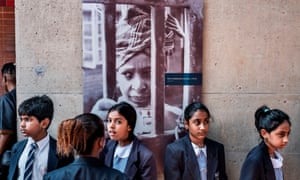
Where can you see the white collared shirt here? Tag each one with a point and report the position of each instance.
(121, 156)
(197, 149)
(277, 163)
(123, 151)
(41, 158)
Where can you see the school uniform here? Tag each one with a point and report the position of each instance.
(140, 164)
(258, 164)
(8, 121)
(8, 117)
(54, 161)
(181, 161)
(87, 168)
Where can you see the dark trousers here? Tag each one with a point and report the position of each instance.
(4, 165)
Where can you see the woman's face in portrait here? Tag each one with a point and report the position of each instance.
(134, 80)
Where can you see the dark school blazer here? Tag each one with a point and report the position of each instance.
(258, 164)
(181, 161)
(141, 162)
(54, 161)
(85, 168)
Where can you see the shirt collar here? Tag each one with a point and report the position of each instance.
(123, 151)
(277, 162)
(41, 143)
(197, 149)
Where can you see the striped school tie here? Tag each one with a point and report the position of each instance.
(29, 162)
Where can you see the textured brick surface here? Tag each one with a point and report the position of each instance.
(7, 36)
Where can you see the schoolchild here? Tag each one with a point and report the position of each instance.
(195, 156)
(124, 151)
(33, 157)
(8, 115)
(83, 137)
(265, 161)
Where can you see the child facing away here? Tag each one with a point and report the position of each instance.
(195, 156)
(264, 161)
(8, 115)
(84, 136)
(36, 155)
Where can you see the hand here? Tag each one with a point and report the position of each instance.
(173, 25)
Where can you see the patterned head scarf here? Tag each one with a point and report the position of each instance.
(134, 35)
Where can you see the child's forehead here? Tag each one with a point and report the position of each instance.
(23, 115)
(283, 127)
(26, 116)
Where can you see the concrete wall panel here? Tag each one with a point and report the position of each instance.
(251, 58)
(49, 54)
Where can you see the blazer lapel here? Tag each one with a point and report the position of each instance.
(133, 161)
(212, 161)
(192, 162)
(16, 156)
(111, 145)
(52, 156)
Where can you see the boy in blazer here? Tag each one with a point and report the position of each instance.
(35, 114)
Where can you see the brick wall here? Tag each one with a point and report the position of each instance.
(7, 36)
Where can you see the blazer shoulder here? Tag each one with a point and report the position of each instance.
(142, 147)
(256, 154)
(180, 144)
(213, 142)
(19, 144)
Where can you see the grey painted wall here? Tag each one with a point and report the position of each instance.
(251, 57)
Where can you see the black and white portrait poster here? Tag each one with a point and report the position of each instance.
(149, 54)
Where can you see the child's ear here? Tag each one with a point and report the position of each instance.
(45, 123)
(102, 142)
(99, 143)
(129, 128)
(4, 78)
(263, 133)
(186, 124)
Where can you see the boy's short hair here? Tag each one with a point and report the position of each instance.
(40, 107)
(9, 68)
(9, 71)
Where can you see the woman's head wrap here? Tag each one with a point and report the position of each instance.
(134, 35)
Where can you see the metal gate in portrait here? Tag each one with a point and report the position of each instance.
(148, 53)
